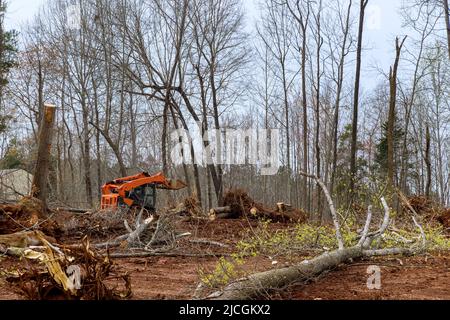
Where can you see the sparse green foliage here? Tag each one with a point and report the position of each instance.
(14, 157)
(8, 48)
(302, 238)
(382, 147)
(224, 271)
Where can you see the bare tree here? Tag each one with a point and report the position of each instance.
(354, 141)
(392, 113)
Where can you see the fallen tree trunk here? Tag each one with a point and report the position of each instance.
(24, 239)
(218, 210)
(73, 210)
(221, 213)
(260, 284)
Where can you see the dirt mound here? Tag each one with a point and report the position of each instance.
(28, 213)
(242, 205)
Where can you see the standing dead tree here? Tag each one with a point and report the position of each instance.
(259, 284)
(392, 112)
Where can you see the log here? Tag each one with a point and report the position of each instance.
(284, 216)
(257, 285)
(220, 213)
(283, 207)
(165, 254)
(219, 210)
(73, 210)
(209, 242)
(24, 239)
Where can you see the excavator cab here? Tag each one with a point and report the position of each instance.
(144, 196)
(137, 191)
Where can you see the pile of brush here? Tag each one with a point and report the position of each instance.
(30, 214)
(238, 204)
(429, 209)
(75, 273)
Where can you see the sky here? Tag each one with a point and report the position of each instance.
(383, 24)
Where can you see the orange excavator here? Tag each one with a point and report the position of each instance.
(137, 191)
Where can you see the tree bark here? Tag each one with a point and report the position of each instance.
(428, 161)
(447, 23)
(354, 142)
(39, 185)
(340, 82)
(114, 147)
(257, 285)
(392, 115)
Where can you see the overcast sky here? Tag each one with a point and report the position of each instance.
(383, 25)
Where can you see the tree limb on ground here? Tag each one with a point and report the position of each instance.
(257, 285)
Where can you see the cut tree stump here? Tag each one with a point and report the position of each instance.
(40, 178)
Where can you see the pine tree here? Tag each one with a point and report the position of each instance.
(382, 148)
(8, 55)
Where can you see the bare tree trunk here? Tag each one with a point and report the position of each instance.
(337, 105)
(320, 42)
(303, 21)
(164, 139)
(392, 115)
(306, 202)
(115, 148)
(447, 23)
(40, 179)
(354, 141)
(428, 160)
(86, 154)
(287, 120)
(185, 168)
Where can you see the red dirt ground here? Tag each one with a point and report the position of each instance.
(419, 278)
(423, 277)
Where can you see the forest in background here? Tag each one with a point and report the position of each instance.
(131, 72)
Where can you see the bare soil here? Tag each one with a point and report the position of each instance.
(414, 278)
(422, 277)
